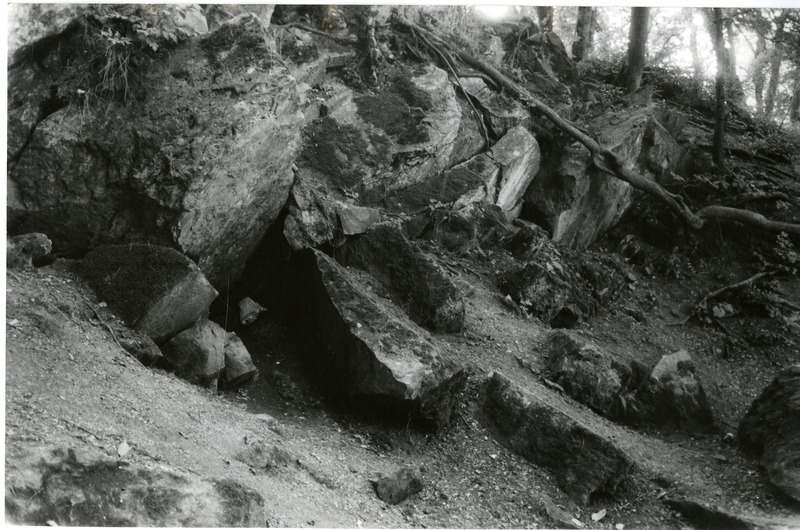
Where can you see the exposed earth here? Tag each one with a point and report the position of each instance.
(496, 435)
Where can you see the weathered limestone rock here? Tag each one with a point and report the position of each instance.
(469, 138)
(157, 290)
(369, 347)
(198, 353)
(398, 486)
(23, 249)
(202, 163)
(76, 487)
(591, 375)
(625, 390)
(578, 203)
(249, 311)
(584, 461)
(672, 396)
(517, 153)
(771, 430)
(501, 112)
(239, 365)
(415, 280)
(356, 220)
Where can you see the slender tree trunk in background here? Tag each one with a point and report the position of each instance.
(697, 65)
(733, 89)
(794, 107)
(774, 69)
(637, 49)
(545, 14)
(584, 34)
(758, 72)
(719, 112)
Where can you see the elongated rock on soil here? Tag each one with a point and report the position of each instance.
(771, 430)
(85, 488)
(369, 348)
(239, 365)
(398, 486)
(157, 290)
(415, 280)
(198, 353)
(583, 460)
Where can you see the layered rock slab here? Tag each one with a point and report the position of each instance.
(369, 347)
(157, 290)
(583, 460)
(72, 487)
(771, 430)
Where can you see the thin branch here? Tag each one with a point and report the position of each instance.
(347, 41)
(748, 281)
(724, 213)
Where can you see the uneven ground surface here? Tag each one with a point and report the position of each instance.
(69, 384)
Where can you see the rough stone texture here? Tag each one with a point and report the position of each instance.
(239, 365)
(583, 461)
(589, 374)
(517, 153)
(356, 220)
(500, 111)
(672, 396)
(218, 14)
(22, 250)
(469, 139)
(249, 311)
(578, 203)
(157, 290)
(198, 353)
(771, 430)
(413, 278)
(76, 487)
(710, 515)
(398, 486)
(202, 163)
(369, 347)
(140, 346)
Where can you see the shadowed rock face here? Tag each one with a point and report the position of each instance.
(203, 163)
(368, 348)
(771, 430)
(583, 461)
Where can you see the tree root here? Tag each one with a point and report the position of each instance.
(346, 41)
(603, 158)
(713, 294)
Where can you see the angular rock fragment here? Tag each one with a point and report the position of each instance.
(198, 353)
(356, 219)
(398, 486)
(369, 348)
(500, 111)
(517, 153)
(583, 460)
(239, 365)
(249, 310)
(140, 346)
(771, 430)
(415, 280)
(157, 290)
(23, 250)
(76, 487)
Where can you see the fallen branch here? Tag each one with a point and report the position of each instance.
(602, 157)
(748, 281)
(346, 41)
(758, 196)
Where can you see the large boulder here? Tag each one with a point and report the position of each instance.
(369, 347)
(413, 278)
(76, 487)
(202, 163)
(24, 249)
(198, 353)
(771, 430)
(583, 459)
(157, 290)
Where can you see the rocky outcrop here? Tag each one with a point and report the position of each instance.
(413, 278)
(202, 163)
(583, 460)
(75, 487)
(23, 250)
(198, 353)
(500, 112)
(369, 347)
(396, 487)
(771, 430)
(157, 290)
(579, 203)
(669, 395)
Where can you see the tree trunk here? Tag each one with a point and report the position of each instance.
(733, 89)
(545, 14)
(637, 48)
(697, 65)
(584, 34)
(774, 69)
(794, 107)
(758, 71)
(719, 113)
